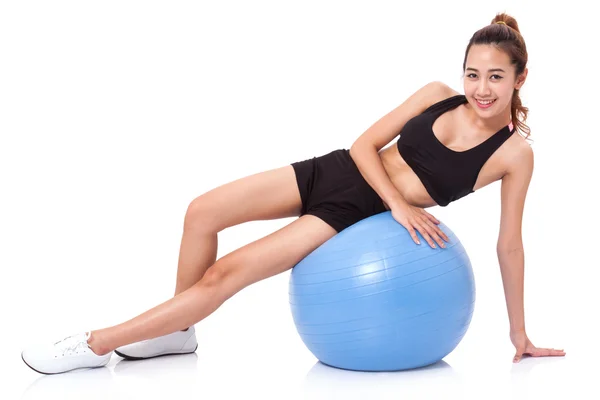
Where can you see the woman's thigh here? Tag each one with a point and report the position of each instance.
(265, 195)
(268, 256)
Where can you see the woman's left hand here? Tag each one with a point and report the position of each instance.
(525, 347)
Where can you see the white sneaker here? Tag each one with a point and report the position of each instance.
(70, 353)
(174, 343)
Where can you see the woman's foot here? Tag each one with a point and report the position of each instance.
(180, 342)
(70, 353)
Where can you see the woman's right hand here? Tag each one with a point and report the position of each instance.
(417, 219)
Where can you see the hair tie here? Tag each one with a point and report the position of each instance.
(501, 22)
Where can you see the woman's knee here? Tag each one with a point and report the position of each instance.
(221, 281)
(201, 215)
(214, 276)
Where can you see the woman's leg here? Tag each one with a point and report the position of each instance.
(262, 196)
(258, 260)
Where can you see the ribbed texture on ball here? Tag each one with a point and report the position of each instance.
(370, 299)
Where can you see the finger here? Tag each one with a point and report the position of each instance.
(413, 233)
(540, 352)
(518, 356)
(435, 227)
(442, 234)
(431, 217)
(547, 352)
(431, 233)
(435, 232)
(420, 226)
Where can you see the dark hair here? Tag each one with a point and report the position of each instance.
(507, 38)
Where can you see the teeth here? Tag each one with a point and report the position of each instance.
(485, 102)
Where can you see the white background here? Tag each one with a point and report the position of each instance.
(114, 115)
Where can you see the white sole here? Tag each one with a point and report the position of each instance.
(62, 372)
(125, 356)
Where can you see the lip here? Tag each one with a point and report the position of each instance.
(485, 106)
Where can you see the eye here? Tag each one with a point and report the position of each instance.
(498, 77)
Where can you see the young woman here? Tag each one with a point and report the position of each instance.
(449, 145)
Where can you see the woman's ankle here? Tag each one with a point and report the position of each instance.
(96, 345)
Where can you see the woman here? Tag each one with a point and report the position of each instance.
(449, 146)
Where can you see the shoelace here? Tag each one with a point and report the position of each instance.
(72, 343)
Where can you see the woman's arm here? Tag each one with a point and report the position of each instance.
(366, 158)
(365, 154)
(510, 253)
(515, 184)
(365, 150)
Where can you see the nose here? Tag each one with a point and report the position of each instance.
(483, 89)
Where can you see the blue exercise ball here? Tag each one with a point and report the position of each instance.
(371, 299)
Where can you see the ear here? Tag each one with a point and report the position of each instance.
(521, 79)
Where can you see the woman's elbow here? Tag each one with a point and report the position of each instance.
(509, 246)
(359, 145)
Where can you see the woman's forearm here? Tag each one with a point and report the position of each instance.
(366, 158)
(512, 270)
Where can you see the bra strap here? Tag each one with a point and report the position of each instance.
(488, 148)
(447, 104)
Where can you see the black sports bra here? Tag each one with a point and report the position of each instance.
(446, 174)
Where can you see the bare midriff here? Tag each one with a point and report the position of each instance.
(404, 179)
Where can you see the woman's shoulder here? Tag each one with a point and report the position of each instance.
(444, 91)
(518, 155)
(439, 97)
(441, 91)
(451, 92)
(442, 95)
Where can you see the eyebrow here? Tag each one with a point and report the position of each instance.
(489, 70)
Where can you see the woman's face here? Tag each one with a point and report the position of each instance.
(489, 76)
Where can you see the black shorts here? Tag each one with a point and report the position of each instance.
(333, 189)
